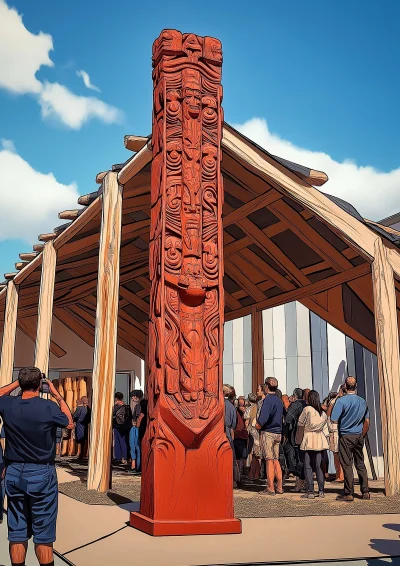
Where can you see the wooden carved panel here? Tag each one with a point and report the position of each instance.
(185, 338)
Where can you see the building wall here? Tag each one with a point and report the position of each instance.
(302, 350)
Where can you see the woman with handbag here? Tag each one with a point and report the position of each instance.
(312, 435)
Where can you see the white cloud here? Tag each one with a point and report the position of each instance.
(86, 79)
(57, 102)
(22, 53)
(8, 145)
(29, 200)
(375, 194)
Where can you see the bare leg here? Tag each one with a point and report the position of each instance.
(278, 476)
(78, 450)
(339, 470)
(18, 552)
(133, 464)
(44, 553)
(64, 449)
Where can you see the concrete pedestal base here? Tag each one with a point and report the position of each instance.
(178, 528)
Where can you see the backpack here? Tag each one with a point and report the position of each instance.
(240, 430)
(122, 416)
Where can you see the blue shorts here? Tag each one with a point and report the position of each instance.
(32, 502)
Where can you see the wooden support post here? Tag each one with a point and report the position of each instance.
(387, 341)
(9, 333)
(45, 311)
(257, 348)
(105, 348)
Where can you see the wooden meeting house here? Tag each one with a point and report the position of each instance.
(283, 240)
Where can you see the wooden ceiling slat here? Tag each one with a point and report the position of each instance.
(29, 327)
(237, 275)
(271, 249)
(237, 245)
(309, 236)
(71, 321)
(315, 268)
(231, 301)
(133, 299)
(308, 290)
(255, 204)
(268, 271)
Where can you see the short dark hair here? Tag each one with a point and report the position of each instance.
(29, 379)
(137, 393)
(298, 393)
(119, 396)
(279, 393)
(272, 384)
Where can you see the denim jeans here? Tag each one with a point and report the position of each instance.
(32, 498)
(134, 445)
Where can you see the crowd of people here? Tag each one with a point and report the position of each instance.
(274, 437)
(129, 426)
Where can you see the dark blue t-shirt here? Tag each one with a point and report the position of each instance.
(271, 415)
(30, 428)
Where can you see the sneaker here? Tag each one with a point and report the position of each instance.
(345, 498)
(308, 496)
(321, 494)
(366, 495)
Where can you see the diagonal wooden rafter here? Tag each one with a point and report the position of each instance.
(262, 240)
(306, 291)
(237, 275)
(255, 204)
(28, 327)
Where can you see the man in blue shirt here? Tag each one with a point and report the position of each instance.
(30, 425)
(270, 422)
(351, 413)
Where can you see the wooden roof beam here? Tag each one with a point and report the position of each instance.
(28, 256)
(86, 200)
(47, 237)
(100, 177)
(136, 164)
(69, 214)
(135, 143)
(21, 264)
(9, 276)
(38, 247)
(303, 292)
(252, 206)
(271, 249)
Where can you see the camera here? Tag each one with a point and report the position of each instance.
(44, 385)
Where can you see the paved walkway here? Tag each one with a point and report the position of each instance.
(98, 534)
(31, 558)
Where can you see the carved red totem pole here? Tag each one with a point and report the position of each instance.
(187, 460)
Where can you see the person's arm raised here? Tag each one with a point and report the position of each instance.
(7, 389)
(63, 405)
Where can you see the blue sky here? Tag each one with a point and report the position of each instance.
(313, 81)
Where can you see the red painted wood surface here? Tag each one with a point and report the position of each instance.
(186, 460)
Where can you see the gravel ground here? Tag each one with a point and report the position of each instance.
(249, 501)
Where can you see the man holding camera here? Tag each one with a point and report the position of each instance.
(30, 424)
